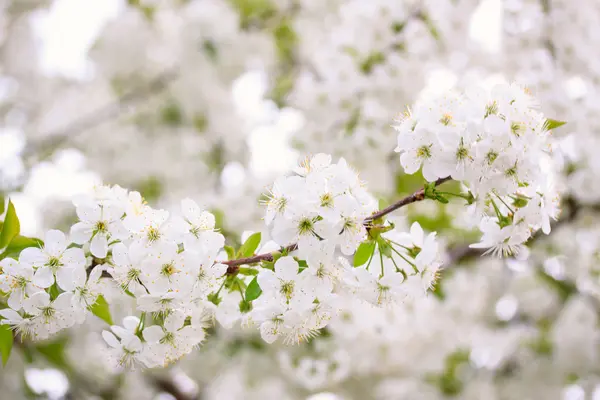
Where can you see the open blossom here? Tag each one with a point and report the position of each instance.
(200, 232)
(98, 224)
(125, 347)
(49, 316)
(172, 340)
(53, 260)
(16, 280)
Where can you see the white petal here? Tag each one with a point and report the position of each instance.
(33, 256)
(190, 210)
(81, 232)
(43, 277)
(112, 212)
(417, 234)
(65, 277)
(131, 323)
(73, 257)
(55, 242)
(88, 212)
(111, 339)
(10, 314)
(153, 334)
(119, 254)
(99, 246)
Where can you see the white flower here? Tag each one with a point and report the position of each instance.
(280, 196)
(53, 260)
(85, 289)
(162, 303)
(16, 280)
(420, 147)
(49, 316)
(502, 241)
(199, 234)
(126, 348)
(127, 269)
(153, 230)
(25, 327)
(351, 228)
(100, 224)
(285, 285)
(317, 163)
(173, 340)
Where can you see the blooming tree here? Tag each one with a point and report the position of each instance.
(410, 254)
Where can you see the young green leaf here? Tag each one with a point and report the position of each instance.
(363, 253)
(250, 245)
(230, 252)
(6, 342)
(552, 124)
(18, 244)
(11, 227)
(253, 290)
(2, 204)
(101, 310)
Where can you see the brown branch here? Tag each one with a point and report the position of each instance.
(416, 196)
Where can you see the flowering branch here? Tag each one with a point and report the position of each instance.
(416, 196)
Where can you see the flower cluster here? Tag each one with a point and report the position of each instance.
(167, 263)
(321, 202)
(497, 144)
(173, 265)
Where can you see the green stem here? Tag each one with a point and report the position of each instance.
(404, 258)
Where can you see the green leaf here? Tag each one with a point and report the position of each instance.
(363, 253)
(6, 342)
(18, 244)
(54, 291)
(250, 245)
(248, 271)
(11, 227)
(2, 204)
(552, 124)
(230, 252)
(253, 290)
(101, 310)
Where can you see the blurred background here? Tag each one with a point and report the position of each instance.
(214, 99)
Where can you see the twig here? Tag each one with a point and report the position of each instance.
(416, 196)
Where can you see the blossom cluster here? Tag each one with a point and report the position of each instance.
(497, 143)
(320, 202)
(329, 246)
(166, 262)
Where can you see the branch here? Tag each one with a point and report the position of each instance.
(416, 196)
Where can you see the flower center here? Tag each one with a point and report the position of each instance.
(491, 156)
(287, 289)
(424, 152)
(101, 227)
(153, 234)
(168, 269)
(54, 263)
(446, 119)
(48, 312)
(305, 226)
(327, 200)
